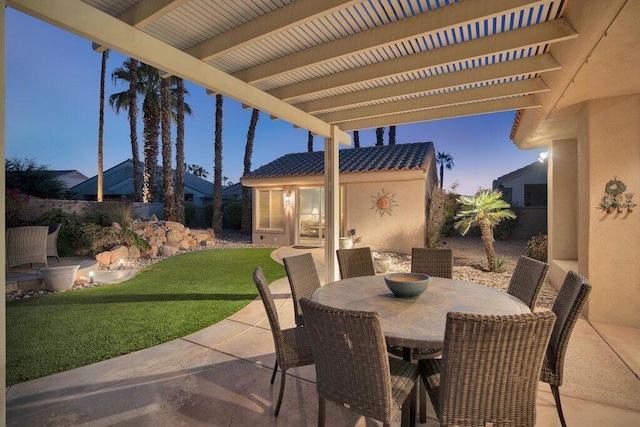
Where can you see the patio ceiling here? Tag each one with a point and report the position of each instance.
(355, 64)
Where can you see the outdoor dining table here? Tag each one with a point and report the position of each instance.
(417, 322)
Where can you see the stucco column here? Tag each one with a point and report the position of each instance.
(332, 203)
(3, 322)
(562, 212)
(609, 251)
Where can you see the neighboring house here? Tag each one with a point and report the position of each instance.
(384, 195)
(118, 185)
(526, 186)
(232, 193)
(70, 178)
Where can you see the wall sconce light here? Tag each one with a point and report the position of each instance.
(543, 156)
(613, 198)
(287, 198)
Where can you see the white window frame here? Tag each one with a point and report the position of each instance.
(270, 198)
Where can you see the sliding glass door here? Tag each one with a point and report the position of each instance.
(311, 210)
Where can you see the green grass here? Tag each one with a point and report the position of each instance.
(168, 300)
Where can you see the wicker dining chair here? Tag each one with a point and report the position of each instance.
(355, 262)
(352, 366)
(52, 240)
(303, 279)
(292, 345)
(432, 261)
(567, 306)
(26, 245)
(489, 371)
(527, 280)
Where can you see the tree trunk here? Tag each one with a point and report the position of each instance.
(487, 239)
(245, 221)
(356, 139)
(151, 121)
(441, 174)
(217, 170)
(105, 55)
(392, 135)
(179, 195)
(133, 130)
(310, 142)
(167, 172)
(379, 136)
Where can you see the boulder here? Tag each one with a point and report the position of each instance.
(104, 258)
(174, 236)
(166, 250)
(118, 253)
(172, 225)
(134, 252)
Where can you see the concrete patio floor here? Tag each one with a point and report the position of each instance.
(220, 376)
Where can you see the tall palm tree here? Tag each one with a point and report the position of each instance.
(392, 135)
(310, 142)
(445, 160)
(486, 209)
(217, 169)
(149, 87)
(379, 136)
(103, 72)
(356, 139)
(180, 166)
(128, 100)
(245, 218)
(167, 172)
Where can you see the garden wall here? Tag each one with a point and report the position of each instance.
(36, 207)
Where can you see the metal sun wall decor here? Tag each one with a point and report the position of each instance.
(383, 202)
(613, 198)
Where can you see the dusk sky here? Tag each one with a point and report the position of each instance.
(52, 102)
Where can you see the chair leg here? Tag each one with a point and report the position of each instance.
(422, 392)
(556, 396)
(280, 394)
(321, 411)
(275, 369)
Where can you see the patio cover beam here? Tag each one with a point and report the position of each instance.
(506, 70)
(508, 104)
(458, 14)
(92, 24)
(524, 38)
(281, 19)
(483, 93)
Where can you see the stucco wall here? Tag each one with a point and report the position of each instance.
(398, 232)
(536, 176)
(608, 146)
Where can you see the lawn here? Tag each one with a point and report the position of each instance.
(168, 300)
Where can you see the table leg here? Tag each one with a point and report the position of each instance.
(411, 421)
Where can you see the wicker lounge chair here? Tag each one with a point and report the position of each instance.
(303, 279)
(434, 262)
(567, 306)
(52, 240)
(488, 374)
(292, 345)
(527, 280)
(355, 262)
(26, 245)
(352, 366)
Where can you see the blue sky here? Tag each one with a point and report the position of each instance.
(52, 102)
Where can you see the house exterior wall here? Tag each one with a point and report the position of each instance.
(609, 249)
(535, 176)
(398, 232)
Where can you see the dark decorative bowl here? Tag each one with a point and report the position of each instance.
(407, 285)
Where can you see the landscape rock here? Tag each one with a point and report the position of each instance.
(167, 251)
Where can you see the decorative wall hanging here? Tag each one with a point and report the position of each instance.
(613, 199)
(383, 202)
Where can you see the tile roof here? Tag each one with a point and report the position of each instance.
(399, 157)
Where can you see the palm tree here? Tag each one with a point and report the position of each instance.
(486, 209)
(309, 142)
(149, 86)
(379, 136)
(392, 135)
(167, 172)
(245, 218)
(180, 166)
(196, 170)
(128, 100)
(217, 169)
(445, 160)
(103, 72)
(356, 139)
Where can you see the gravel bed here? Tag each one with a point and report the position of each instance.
(470, 261)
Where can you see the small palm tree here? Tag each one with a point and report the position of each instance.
(445, 160)
(486, 209)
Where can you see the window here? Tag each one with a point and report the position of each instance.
(270, 209)
(535, 194)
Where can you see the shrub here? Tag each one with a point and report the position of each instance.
(189, 213)
(15, 202)
(537, 247)
(70, 238)
(232, 215)
(107, 213)
(208, 213)
(450, 209)
(503, 230)
(435, 218)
